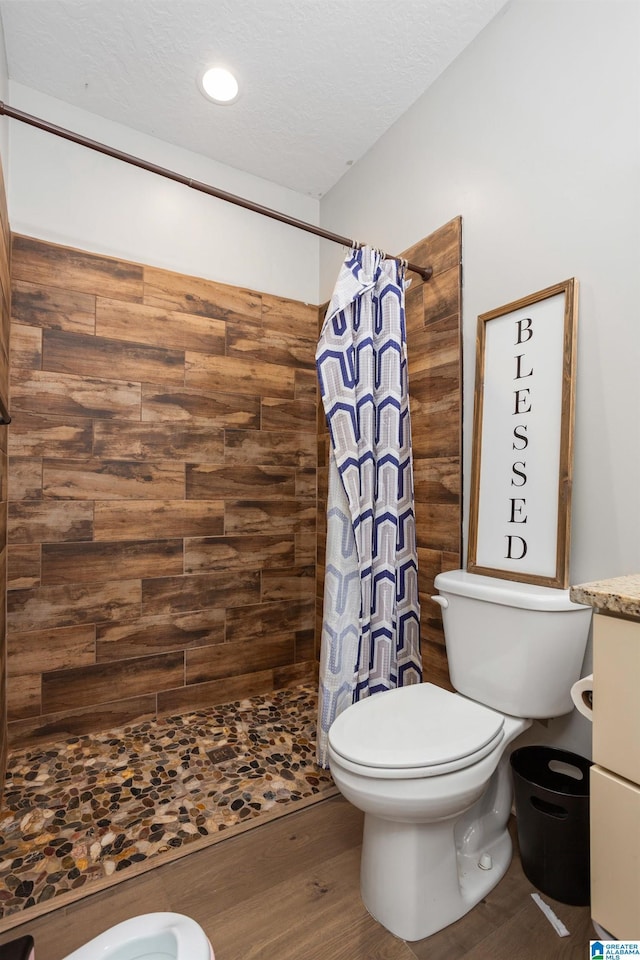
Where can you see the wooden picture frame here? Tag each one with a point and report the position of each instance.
(520, 509)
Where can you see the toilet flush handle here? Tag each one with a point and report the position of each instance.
(444, 603)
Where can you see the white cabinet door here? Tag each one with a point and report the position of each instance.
(615, 854)
(616, 703)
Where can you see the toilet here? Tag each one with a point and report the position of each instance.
(151, 936)
(430, 768)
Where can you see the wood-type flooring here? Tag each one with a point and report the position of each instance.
(289, 889)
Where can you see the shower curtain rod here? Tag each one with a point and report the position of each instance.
(425, 272)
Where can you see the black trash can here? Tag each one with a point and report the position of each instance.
(551, 789)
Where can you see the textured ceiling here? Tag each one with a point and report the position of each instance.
(321, 80)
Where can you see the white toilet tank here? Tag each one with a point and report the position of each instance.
(516, 647)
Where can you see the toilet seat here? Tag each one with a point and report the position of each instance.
(413, 732)
(150, 936)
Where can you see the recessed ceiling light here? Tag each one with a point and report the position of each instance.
(219, 85)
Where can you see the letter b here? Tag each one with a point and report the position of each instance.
(524, 332)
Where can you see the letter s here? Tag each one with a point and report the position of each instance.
(519, 473)
(520, 434)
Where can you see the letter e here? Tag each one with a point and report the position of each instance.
(522, 397)
(517, 510)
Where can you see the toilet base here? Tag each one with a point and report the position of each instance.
(414, 882)
(425, 837)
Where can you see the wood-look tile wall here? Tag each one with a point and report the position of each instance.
(162, 484)
(5, 315)
(434, 340)
(434, 345)
(162, 487)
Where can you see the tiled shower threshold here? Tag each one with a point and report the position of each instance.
(81, 815)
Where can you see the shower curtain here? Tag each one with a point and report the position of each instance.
(371, 617)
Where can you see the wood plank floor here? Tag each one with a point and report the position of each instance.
(290, 890)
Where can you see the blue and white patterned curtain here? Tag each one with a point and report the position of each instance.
(371, 617)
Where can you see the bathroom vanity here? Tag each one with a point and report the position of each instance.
(615, 775)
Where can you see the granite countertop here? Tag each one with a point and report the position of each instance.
(619, 595)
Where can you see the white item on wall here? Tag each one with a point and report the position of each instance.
(520, 461)
(582, 696)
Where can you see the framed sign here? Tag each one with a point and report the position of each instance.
(520, 516)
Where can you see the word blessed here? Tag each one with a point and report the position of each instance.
(516, 544)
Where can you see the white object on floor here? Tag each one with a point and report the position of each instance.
(555, 922)
(151, 936)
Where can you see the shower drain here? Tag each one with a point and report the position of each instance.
(220, 754)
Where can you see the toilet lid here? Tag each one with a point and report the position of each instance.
(417, 726)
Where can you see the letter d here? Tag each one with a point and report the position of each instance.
(523, 546)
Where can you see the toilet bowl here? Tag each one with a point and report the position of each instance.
(151, 936)
(430, 768)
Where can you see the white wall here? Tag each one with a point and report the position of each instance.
(67, 194)
(4, 123)
(533, 136)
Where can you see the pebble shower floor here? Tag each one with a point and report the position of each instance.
(85, 813)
